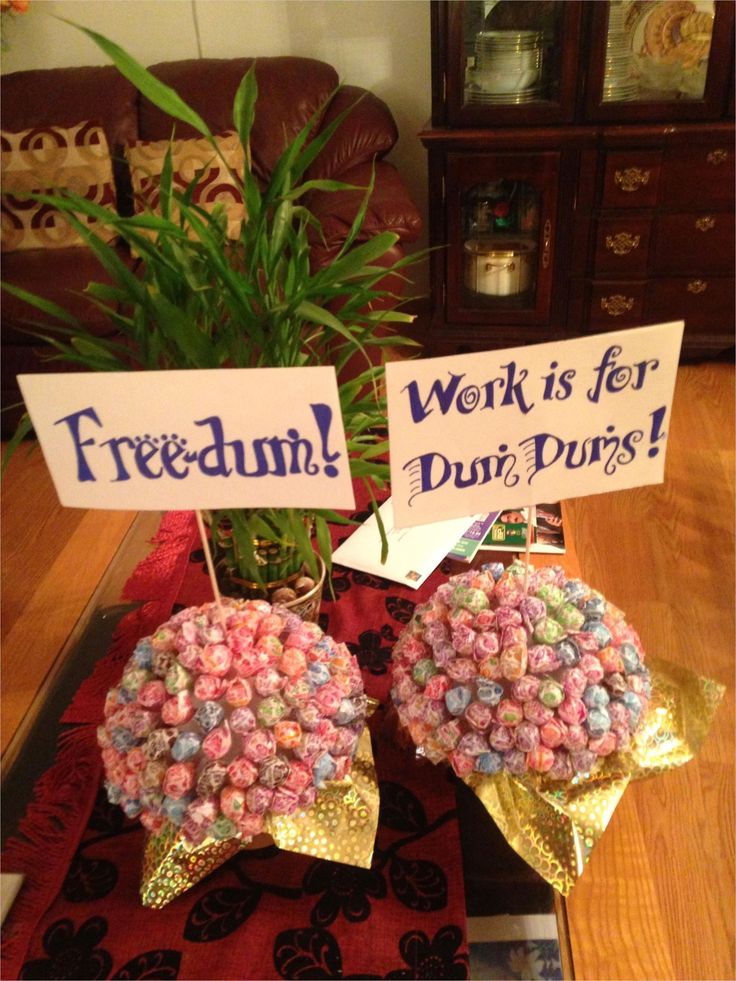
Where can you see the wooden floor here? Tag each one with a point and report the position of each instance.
(52, 559)
(657, 899)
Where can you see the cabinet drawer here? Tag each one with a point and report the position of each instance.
(615, 304)
(631, 178)
(694, 243)
(622, 247)
(699, 176)
(705, 303)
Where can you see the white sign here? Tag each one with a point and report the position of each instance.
(482, 432)
(215, 438)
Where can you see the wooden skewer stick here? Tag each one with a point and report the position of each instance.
(210, 564)
(531, 520)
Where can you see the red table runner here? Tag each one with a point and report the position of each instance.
(265, 913)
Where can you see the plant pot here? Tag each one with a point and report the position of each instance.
(280, 567)
(305, 605)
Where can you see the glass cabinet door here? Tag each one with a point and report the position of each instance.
(507, 60)
(500, 211)
(653, 59)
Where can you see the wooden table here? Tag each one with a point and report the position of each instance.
(657, 899)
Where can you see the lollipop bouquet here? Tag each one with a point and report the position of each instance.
(537, 692)
(233, 720)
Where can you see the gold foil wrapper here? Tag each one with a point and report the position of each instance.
(340, 826)
(171, 865)
(678, 719)
(554, 826)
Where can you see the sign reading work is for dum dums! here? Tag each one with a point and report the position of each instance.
(480, 432)
(161, 440)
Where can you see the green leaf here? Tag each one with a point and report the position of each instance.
(357, 225)
(70, 352)
(72, 204)
(320, 141)
(391, 317)
(161, 95)
(334, 517)
(166, 183)
(243, 537)
(105, 294)
(244, 107)
(362, 468)
(302, 541)
(318, 315)
(111, 261)
(353, 263)
(319, 185)
(324, 541)
(179, 328)
(92, 347)
(24, 427)
(379, 521)
(282, 175)
(281, 224)
(263, 526)
(377, 449)
(45, 306)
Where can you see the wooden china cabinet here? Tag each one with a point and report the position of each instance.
(581, 170)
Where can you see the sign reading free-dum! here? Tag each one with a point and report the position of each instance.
(503, 429)
(161, 440)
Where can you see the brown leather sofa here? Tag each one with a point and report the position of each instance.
(290, 90)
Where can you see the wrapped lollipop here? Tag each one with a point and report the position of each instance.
(233, 720)
(534, 688)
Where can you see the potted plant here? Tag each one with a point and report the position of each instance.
(202, 299)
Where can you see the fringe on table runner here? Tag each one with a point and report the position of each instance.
(47, 837)
(163, 569)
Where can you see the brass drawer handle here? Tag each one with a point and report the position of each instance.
(697, 286)
(716, 157)
(616, 304)
(705, 223)
(631, 179)
(546, 243)
(622, 243)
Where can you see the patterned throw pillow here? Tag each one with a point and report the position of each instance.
(46, 159)
(190, 159)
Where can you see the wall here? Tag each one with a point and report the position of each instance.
(383, 45)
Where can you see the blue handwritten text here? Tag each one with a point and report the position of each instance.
(153, 457)
(507, 389)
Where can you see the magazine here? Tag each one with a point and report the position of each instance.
(472, 539)
(508, 532)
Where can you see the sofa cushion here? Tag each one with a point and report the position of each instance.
(290, 91)
(47, 159)
(191, 160)
(64, 96)
(368, 132)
